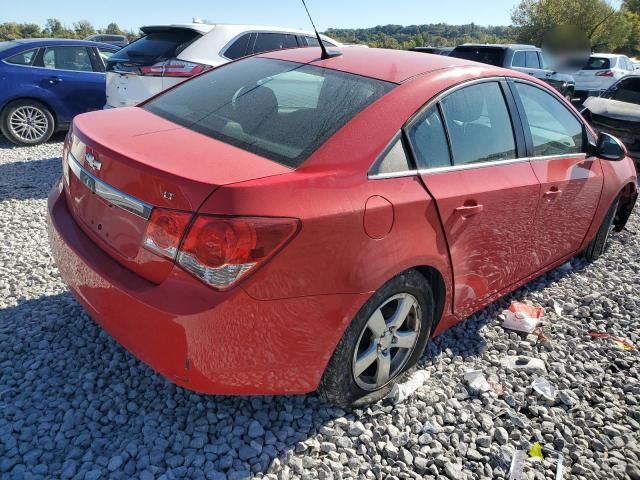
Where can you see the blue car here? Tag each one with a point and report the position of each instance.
(44, 83)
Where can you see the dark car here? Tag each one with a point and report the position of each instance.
(434, 50)
(617, 112)
(46, 82)
(116, 40)
(524, 58)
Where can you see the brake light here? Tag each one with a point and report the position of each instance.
(606, 73)
(164, 231)
(173, 68)
(221, 250)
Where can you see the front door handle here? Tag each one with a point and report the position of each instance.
(468, 210)
(553, 192)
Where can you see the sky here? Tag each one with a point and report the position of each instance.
(288, 13)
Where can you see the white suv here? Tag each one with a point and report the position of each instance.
(601, 71)
(169, 54)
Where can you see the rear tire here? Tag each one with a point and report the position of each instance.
(598, 245)
(27, 122)
(370, 347)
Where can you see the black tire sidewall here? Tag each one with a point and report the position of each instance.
(338, 385)
(9, 109)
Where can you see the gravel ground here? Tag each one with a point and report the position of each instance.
(74, 404)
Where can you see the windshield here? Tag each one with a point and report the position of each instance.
(626, 90)
(278, 109)
(597, 63)
(491, 56)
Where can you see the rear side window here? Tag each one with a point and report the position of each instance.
(532, 60)
(518, 60)
(67, 58)
(238, 48)
(313, 42)
(429, 140)
(491, 56)
(157, 45)
(627, 90)
(23, 58)
(278, 109)
(479, 124)
(554, 130)
(597, 63)
(274, 41)
(393, 160)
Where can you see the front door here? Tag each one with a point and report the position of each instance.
(571, 181)
(486, 195)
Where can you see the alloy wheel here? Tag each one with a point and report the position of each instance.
(28, 124)
(387, 341)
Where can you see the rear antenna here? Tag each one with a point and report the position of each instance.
(325, 54)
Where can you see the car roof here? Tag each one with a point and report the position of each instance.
(236, 27)
(505, 46)
(607, 55)
(389, 65)
(41, 42)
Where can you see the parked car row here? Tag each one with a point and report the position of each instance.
(298, 221)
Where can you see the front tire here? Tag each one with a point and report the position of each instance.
(27, 122)
(598, 245)
(385, 339)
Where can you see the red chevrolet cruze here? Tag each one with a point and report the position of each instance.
(286, 223)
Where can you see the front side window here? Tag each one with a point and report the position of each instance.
(23, 58)
(278, 109)
(479, 124)
(627, 90)
(429, 140)
(554, 130)
(67, 58)
(274, 41)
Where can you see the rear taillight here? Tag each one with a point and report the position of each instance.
(605, 73)
(164, 231)
(221, 250)
(173, 68)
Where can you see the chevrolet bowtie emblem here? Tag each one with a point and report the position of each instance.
(92, 162)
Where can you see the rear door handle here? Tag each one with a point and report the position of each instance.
(468, 210)
(53, 80)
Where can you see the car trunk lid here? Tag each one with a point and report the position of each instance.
(124, 163)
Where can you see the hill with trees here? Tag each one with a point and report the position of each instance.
(54, 28)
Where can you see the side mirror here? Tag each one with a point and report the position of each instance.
(610, 148)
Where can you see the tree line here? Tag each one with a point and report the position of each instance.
(592, 24)
(54, 28)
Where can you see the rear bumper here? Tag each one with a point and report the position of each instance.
(199, 338)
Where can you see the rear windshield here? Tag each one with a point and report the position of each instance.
(277, 109)
(491, 56)
(597, 63)
(156, 46)
(626, 90)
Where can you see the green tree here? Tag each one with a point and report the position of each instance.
(54, 28)
(596, 21)
(114, 29)
(83, 29)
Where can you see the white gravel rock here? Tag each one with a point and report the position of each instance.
(74, 404)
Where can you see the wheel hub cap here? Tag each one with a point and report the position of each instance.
(387, 341)
(28, 123)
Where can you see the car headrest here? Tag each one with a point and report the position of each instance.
(253, 105)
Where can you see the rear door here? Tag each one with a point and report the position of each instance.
(468, 150)
(571, 181)
(70, 73)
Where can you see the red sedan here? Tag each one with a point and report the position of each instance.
(285, 224)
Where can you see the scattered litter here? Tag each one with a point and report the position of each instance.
(517, 465)
(401, 391)
(545, 388)
(533, 365)
(559, 469)
(621, 343)
(522, 317)
(476, 380)
(536, 451)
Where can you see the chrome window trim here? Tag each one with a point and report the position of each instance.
(57, 69)
(110, 194)
(384, 176)
(494, 163)
(4, 60)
